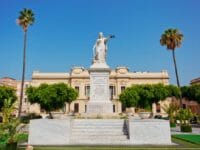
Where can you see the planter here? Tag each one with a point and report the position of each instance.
(144, 115)
(11, 146)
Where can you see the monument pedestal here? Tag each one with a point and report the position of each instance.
(99, 102)
(99, 108)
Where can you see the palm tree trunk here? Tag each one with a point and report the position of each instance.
(177, 77)
(23, 76)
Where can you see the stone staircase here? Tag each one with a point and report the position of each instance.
(99, 132)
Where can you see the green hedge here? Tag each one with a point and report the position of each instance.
(186, 128)
(26, 119)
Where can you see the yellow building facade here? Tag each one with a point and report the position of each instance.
(79, 78)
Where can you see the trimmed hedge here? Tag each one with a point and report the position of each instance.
(186, 128)
(26, 119)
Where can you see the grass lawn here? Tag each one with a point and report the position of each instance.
(189, 138)
(181, 145)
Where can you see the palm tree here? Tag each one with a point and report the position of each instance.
(25, 19)
(172, 38)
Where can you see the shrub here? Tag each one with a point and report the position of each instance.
(186, 128)
(26, 119)
(172, 125)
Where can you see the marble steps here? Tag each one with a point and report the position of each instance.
(98, 120)
(99, 127)
(83, 133)
(97, 131)
(100, 141)
(99, 137)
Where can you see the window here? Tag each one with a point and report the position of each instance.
(122, 88)
(112, 91)
(114, 108)
(77, 88)
(76, 107)
(87, 91)
(85, 108)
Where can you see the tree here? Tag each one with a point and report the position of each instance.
(51, 97)
(7, 110)
(129, 97)
(191, 92)
(7, 93)
(172, 38)
(173, 91)
(25, 19)
(143, 96)
(145, 93)
(10, 128)
(194, 91)
(160, 92)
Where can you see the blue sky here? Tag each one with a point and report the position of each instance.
(66, 30)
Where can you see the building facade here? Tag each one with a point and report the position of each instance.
(79, 78)
(195, 81)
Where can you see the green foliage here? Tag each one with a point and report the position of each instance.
(172, 125)
(9, 129)
(173, 91)
(143, 95)
(26, 18)
(26, 119)
(184, 115)
(191, 92)
(51, 97)
(160, 92)
(7, 93)
(186, 128)
(129, 97)
(171, 110)
(7, 110)
(22, 137)
(171, 38)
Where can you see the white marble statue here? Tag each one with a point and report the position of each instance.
(100, 48)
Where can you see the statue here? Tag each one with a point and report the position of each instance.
(100, 48)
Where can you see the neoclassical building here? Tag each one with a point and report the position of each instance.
(79, 78)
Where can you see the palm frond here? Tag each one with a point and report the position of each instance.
(26, 18)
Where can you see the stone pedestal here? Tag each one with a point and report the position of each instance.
(99, 102)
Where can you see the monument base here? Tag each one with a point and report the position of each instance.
(99, 107)
(149, 131)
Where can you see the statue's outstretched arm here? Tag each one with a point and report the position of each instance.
(109, 37)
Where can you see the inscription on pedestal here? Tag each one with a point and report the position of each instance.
(99, 94)
(99, 86)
